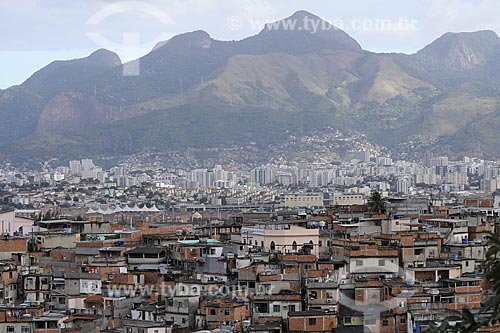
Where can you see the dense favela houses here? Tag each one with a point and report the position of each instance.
(275, 176)
(368, 245)
(315, 263)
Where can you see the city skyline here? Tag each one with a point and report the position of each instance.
(250, 166)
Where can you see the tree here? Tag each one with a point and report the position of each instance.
(376, 203)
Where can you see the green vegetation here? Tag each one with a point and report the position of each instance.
(194, 91)
(376, 203)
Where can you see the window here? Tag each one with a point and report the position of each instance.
(183, 320)
(25, 329)
(212, 312)
(466, 264)
(418, 252)
(359, 262)
(402, 320)
(294, 246)
(347, 320)
(385, 322)
(227, 312)
(312, 321)
(273, 246)
(276, 308)
(381, 262)
(320, 243)
(291, 308)
(10, 329)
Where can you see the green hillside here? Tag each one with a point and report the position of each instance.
(194, 91)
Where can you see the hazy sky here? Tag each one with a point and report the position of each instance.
(36, 32)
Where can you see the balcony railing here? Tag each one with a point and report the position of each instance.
(427, 306)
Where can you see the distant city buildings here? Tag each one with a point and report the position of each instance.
(278, 247)
(85, 169)
(304, 200)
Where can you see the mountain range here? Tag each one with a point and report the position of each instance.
(195, 91)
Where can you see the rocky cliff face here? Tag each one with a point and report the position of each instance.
(462, 51)
(70, 110)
